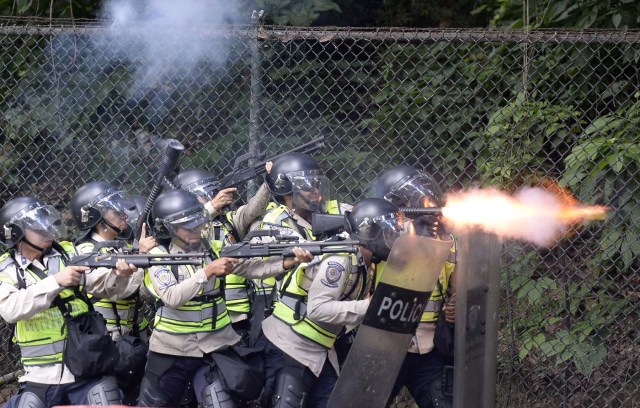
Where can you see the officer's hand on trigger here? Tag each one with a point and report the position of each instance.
(70, 275)
(125, 269)
(223, 198)
(301, 255)
(220, 267)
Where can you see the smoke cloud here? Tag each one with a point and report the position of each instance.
(167, 39)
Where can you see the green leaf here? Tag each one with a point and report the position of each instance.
(23, 5)
(616, 18)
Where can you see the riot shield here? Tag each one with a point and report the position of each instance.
(383, 339)
(477, 305)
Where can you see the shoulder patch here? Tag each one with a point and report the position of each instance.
(332, 274)
(164, 278)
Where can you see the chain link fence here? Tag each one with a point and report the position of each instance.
(558, 109)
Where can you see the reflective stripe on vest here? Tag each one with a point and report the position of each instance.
(197, 314)
(291, 308)
(277, 216)
(192, 317)
(236, 294)
(432, 310)
(125, 307)
(292, 311)
(40, 337)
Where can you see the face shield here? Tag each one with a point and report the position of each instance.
(385, 228)
(118, 210)
(311, 190)
(188, 227)
(42, 219)
(205, 190)
(421, 190)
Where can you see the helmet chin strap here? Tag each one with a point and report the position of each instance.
(34, 246)
(187, 245)
(120, 233)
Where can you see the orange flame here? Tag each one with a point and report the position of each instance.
(533, 214)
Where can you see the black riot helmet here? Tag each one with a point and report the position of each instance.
(376, 223)
(100, 202)
(177, 209)
(202, 183)
(22, 213)
(405, 186)
(299, 175)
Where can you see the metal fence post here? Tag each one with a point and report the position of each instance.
(255, 122)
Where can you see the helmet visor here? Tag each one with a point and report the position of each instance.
(193, 222)
(420, 190)
(43, 219)
(116, 207)
(204, 189)
(311, 190)
(388, 227)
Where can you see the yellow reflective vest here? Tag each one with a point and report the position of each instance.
(41, 338)
(120, 312)
(203, 313)
(291, 308)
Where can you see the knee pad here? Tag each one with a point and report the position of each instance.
(28, 400)
(290, 392)
(105, 392)
(214, 396)
(150, 394)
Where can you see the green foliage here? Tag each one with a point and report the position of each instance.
(291, 12)
(515, 146)
(563, 13)
(604, 167)
(549, 331)
(55, 9)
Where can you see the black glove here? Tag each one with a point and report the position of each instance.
(427, 226)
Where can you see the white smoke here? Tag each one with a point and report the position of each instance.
(167, 39)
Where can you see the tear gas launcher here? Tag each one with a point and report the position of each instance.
(243, 171)
(109, 259)
(283, 246)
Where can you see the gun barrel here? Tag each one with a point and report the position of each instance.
(308, 148)
(109, 260)
(249, 250)
(413, 212)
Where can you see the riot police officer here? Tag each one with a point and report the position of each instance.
(319, 300)
(227, 227)
(34, 273)
(104, 214)
(191, 321)
(422, 369)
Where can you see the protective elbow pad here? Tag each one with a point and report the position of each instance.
(105, 392)
(214, 396)
(290, 392)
